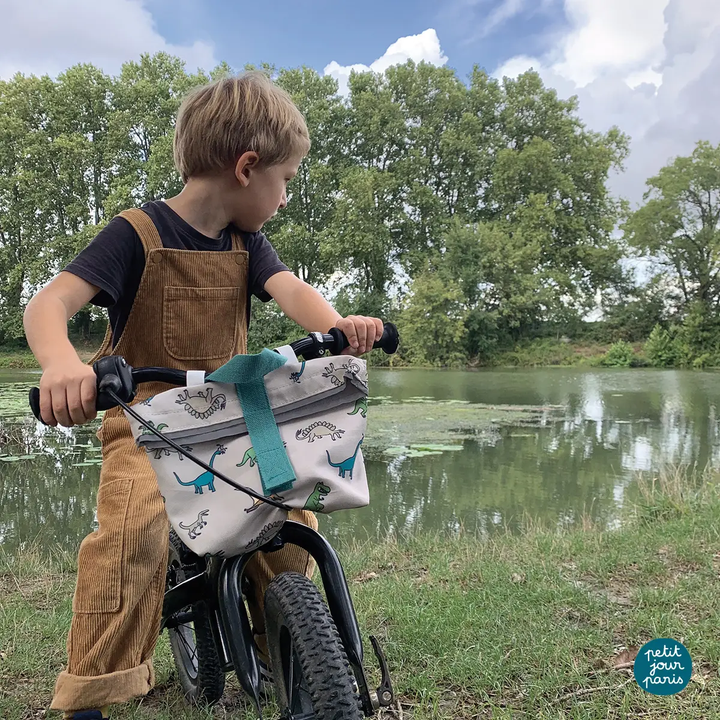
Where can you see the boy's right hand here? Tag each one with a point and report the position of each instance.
(67, 394)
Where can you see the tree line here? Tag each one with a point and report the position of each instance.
(476, 213)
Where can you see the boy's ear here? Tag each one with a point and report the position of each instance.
(245, 165)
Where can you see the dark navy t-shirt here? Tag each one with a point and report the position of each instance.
(114, 261)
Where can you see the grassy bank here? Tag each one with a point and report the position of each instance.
(549, 352)
(17, 358)
(539, 625)
(536, 354)
(544, 352)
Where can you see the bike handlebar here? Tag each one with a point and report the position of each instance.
(114, 373)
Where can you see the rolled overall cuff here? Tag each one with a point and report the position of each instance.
(77, 692)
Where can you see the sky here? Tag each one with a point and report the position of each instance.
(650, 67)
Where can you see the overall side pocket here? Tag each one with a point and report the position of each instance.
(100, 560)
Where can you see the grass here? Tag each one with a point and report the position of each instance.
(536, 353)
(540, 625)
(547, 352)
(16, 358)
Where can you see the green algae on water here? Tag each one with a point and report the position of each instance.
(415, 429)
(14, 399)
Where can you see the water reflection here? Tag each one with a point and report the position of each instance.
(613, 423)
(48, 500)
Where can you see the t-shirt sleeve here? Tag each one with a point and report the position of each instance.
(264, 263)
(110, 261)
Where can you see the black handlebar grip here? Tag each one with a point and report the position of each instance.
(34, 400)
(390, 339)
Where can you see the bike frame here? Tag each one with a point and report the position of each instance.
(219, 584)
(220, 587)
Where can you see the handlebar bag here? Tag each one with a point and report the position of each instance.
(289, 430)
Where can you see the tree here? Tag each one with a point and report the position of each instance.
(432, 102)
(498, 265)
(660, 348)
(27, 193)
(300, 230)
(549, 153)
(492, 193)
(679, 225)
(363, 237)
(145, 100)
(432, 323)
(632, 311)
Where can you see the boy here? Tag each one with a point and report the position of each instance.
(176, 278)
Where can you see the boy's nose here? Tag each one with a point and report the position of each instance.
(283, 201)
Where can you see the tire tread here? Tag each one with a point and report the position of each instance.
(210, 684)
(294, 599)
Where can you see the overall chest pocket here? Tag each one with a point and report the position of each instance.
(200, 323)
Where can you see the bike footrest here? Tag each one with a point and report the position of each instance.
(384, 693)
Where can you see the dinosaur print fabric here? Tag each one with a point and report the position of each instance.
(319, 407)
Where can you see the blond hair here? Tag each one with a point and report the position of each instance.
(220, 121)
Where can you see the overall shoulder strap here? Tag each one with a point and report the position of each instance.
(237, 242)
(144, 227)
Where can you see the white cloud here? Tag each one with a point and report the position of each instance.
(48, 36)
(422, 47)
(506, 10)
(647, 66)
(462, 10)
(611, 35)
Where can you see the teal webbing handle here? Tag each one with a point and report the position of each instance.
(246, 372)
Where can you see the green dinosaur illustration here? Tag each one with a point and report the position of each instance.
(346, 466)
(360, 407)
(167, 452)
(159, 428)
(295, 376)
(250, 457)
(314, 502)
(206, 479)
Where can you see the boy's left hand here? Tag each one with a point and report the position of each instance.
(362, 332)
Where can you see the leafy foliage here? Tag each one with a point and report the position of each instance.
(620, 354)
(679, 225)
(432, 324)
(660, 348)
(485, 203)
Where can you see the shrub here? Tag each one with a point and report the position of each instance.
(432, 323)
(661, 349)
(620, 354)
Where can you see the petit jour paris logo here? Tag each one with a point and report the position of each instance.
(663, 667)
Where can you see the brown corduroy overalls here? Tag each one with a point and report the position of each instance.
(189, 313)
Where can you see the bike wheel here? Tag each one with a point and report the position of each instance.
(192, 643)
(313, 679)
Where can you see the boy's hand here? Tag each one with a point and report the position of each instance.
(361, 332)
(67, 394)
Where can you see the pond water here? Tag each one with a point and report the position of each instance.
(581, 457)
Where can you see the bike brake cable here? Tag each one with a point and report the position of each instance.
(190, 456)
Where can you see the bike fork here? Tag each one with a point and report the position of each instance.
(236, 628)
(342, 610)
